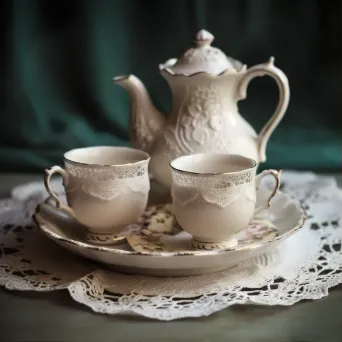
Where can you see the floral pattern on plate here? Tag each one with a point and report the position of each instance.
(155, 223)
(158, 227)
(258, 230)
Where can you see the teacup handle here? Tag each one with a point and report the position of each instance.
(47, 177)
(276, 174)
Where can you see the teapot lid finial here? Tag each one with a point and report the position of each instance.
(203, 37)
(202, 58)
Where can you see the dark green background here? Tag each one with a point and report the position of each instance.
(59, 58)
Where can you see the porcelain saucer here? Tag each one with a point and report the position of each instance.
(157, 246)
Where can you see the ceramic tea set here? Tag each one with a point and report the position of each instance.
(204, 154)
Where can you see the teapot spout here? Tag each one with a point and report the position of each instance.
(146, 122)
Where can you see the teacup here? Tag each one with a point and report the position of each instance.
(106, 188)
(214, 196)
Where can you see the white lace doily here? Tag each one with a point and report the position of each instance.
(303, 267)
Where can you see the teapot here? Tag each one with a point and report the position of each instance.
(206, 86)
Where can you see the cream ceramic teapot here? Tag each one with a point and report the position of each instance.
(206, 87)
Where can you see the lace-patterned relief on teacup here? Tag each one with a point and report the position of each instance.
(219, 190)
(107, 183)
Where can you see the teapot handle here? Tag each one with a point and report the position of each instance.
(269, 69)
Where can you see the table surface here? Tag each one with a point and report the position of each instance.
(54, 316)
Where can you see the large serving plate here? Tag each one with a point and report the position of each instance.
(178, 258)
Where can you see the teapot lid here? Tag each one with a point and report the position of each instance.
(201, 58)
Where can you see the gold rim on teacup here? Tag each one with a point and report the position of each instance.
(67, 158)
(229, 156)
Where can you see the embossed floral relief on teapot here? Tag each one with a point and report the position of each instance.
(206, 87)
